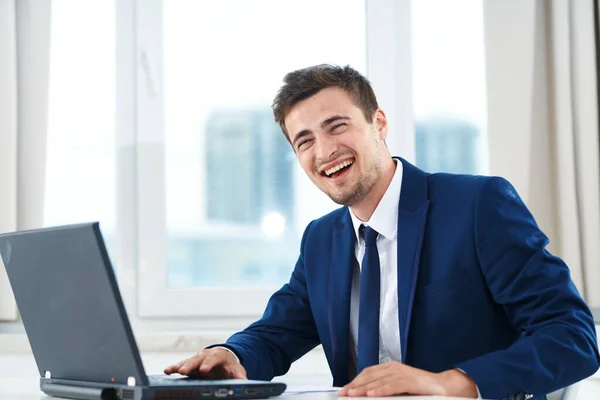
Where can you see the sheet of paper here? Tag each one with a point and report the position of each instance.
(300, 389)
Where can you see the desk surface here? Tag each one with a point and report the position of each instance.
(28, 389)
(19, 379)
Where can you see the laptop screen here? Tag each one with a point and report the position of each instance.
(70, 304)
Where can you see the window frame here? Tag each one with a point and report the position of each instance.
(141, 205)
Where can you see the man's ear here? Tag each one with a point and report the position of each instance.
(381, 124)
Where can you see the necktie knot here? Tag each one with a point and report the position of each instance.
(370, 235)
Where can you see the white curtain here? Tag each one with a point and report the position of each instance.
(24, 66)
(543, 122)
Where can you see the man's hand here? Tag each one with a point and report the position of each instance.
(215, 363)
(394, 378)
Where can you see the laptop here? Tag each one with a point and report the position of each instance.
(74, 317)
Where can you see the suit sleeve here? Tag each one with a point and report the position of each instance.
(558, 344)
(285, 332)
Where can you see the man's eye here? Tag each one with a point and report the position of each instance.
(339, 128)
(304, 143)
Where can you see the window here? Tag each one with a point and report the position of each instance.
(211, 201)
(449, 86)
(80, 170)
(236, 201)
(234, 209)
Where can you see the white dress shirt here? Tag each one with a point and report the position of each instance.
(385, 221)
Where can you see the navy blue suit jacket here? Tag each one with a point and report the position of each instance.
(477, 290)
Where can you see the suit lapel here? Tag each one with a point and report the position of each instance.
(340, 285)
(412, 215)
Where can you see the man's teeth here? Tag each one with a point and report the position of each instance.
(335, 169)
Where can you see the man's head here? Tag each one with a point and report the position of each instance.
(330, 116)
(303, 83)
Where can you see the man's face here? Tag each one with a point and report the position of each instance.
(340, 151)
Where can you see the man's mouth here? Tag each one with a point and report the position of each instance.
(338, 169)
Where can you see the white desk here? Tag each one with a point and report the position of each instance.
(28, 389)
(19, 379)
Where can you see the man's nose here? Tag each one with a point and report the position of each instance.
(326, 148)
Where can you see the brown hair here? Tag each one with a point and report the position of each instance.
(304, 83)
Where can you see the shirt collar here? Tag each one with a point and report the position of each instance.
(385, 217)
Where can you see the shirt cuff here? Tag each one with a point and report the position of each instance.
(476, 387)
(238, 360)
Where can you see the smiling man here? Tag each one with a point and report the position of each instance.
(421, 283)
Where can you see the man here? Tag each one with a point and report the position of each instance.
(421, 284)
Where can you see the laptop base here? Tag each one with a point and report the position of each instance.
(97, 391)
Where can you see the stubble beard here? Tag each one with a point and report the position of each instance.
(365, 183)
(363, 187)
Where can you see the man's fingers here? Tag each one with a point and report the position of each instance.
(209, 363)
(171, 369)
(370, 374)
(219, 367)
(213, 363)
(361, 379)
(363, 389)
(391, 378)
(192, 363)
(408, 386)
(365, 376)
